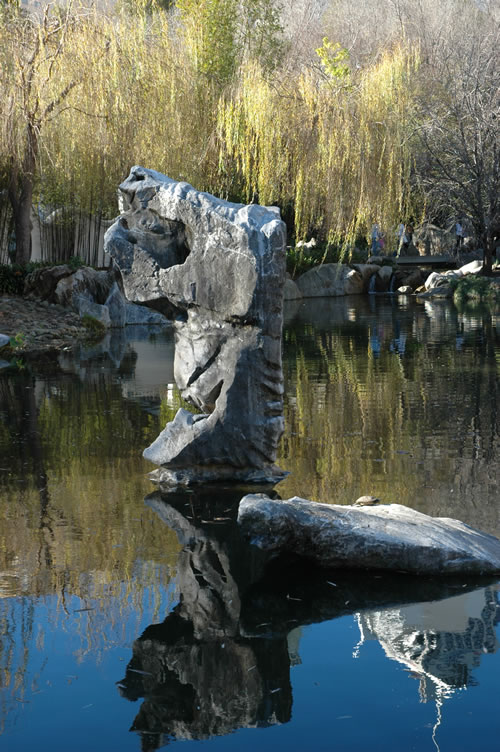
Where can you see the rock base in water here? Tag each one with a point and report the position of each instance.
(389, 536)
(183, 476)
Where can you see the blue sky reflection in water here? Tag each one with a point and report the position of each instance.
(121, 614)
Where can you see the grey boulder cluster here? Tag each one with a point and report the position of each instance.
(90, 292)
(219, 268)
(333, 280)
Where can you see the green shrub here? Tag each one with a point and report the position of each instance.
(475, 289)
(18, 341)
(75, 262)
(95, 328)
(12, 279)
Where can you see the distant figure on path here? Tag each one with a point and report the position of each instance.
(375, 238)
(399, 238)
(406, 240)
(459, 234)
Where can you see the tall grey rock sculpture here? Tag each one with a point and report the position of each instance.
(220, 267)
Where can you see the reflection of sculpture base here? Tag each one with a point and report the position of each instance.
(198, 675)
(199, 689)
(187, 476)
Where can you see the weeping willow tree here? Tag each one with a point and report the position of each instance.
(334, 147)
(152, 97)
(143, 104)
(44, 59)
(202, 93)
(88, 94)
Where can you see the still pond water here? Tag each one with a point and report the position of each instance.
(130, 620)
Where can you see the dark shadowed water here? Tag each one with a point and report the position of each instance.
(131, 619)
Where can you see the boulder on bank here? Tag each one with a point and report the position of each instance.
(41, 283)
(415, 279)
(291, 291)
(390, 536)
(90, 283)
(442, 279)
(366, 271)
(88, 292)
(330, 280)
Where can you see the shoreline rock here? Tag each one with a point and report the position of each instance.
(383, 537)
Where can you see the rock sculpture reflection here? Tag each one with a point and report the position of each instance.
(221, 659)
(198, 674)
(458, 631)
(219, 269)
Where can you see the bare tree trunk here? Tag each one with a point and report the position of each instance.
(21, 197)
(487, 254)
(21, 210)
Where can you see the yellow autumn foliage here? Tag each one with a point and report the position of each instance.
(333, 152)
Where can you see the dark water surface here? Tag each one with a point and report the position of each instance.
(131, 619)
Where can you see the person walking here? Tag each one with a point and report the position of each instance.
(459, 234)
(375, 238)
(399, 238)
(406, 239)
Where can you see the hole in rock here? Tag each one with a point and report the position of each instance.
(166, 240)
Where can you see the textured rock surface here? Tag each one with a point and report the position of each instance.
(330, 280)
(89, 292)
(385, 273)
(91, 283)
(381, 537)
(443, 279)
(291, 291)
(414, 279)
(366, 271)
(221, 268)
(173, 242)
(41, 283)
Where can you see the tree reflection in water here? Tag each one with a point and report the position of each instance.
(221, 659)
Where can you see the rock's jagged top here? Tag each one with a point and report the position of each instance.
(194, 249)
(388, 536)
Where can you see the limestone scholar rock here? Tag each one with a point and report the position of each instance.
(389, 536)
(220, 267)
